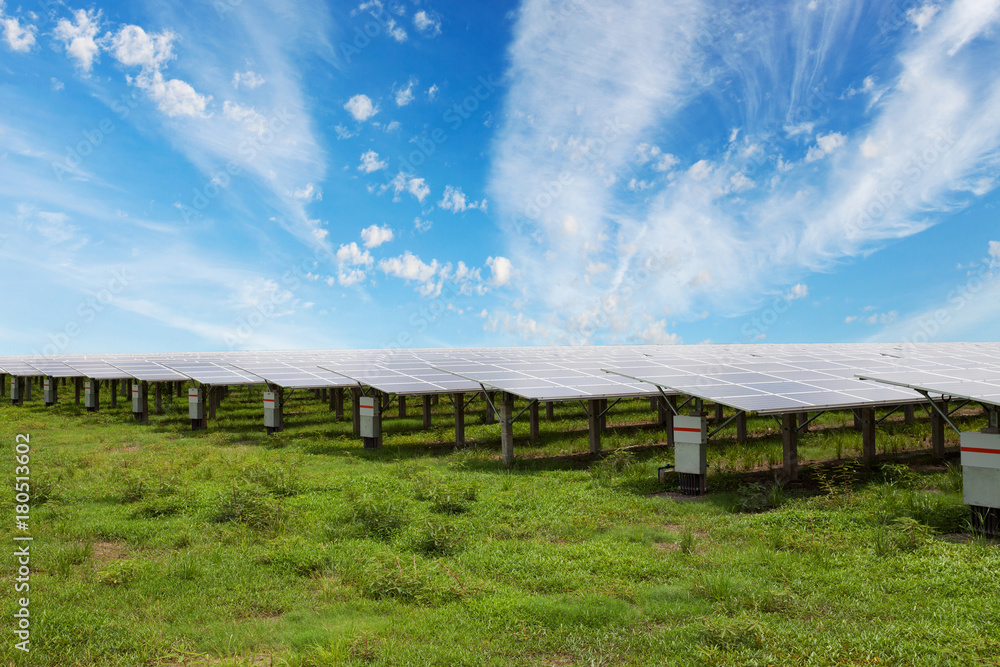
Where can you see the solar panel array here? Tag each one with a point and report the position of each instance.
(781, 381)
(755, 378)
(974, 384)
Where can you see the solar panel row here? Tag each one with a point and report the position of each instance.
(754, 378)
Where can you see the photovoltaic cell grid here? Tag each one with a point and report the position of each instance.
(974, 384)
(98, 370)
(211, 373)
(301, 375)
(403, 375)
(796, 382)
(148, 371)
(570, 379)
(764, 378)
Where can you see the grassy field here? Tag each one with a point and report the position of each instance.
(154, 545)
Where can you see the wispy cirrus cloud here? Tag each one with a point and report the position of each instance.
(808, 178)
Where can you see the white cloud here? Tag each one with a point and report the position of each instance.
(656, 334)
(19, 38)
(421, 224)
(740, 182)
(884, 319)
(798, 291)
(521, 326)
(79, 37)
(570, 81)
(343, 132)
(432, 91)
(173, 97)
(374, 236)
(994, 251)
(405, 95)
(418, 189)
(825, 144)
(373, 6)
(370, 162)
(248, 79)
(308, 193)
(454, 200)
(501, 270)
(409, 267)
(351, 255)
(361, 107)
(921, 17)
(252, 294)
(377, 10)
(395, 31)
(56, 84)
(350, 276)
(850, 318)
(700, 170)
(637, 185)
(870, 148)
(402, 182)
(646, 153)
(426, 24)
(392, 126)
(249, 117)
(133, 47)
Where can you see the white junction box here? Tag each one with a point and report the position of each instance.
(271, 408)
(196, 403)
(137, 396)
(369, 425)
(49, 385)
(91, 390)
(690, 445)
(981, 469)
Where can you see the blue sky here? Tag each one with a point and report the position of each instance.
(244, 175)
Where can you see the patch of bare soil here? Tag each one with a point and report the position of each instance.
(105, 552)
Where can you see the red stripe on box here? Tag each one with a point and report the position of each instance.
(688, 430)
(981, 450)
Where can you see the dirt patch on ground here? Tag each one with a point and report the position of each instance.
(193, 660)
(676, 495)
(105, 552)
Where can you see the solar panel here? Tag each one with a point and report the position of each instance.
(211, 373)
(20, 368)
(52, 368)
(293, 376)
(542, 382)
(758, 377)
(974, 384)
(98, 370)
(148, 371)
(417, 378)
(735, 384)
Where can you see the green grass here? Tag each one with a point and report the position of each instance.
(155, 545)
